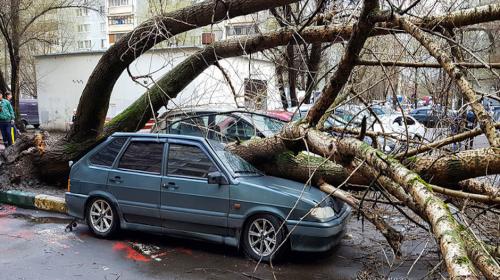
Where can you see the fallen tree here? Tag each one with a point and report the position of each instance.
(300, 151)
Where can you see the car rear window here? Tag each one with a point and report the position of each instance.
(143, 156)
(106, 156)
(189, 161)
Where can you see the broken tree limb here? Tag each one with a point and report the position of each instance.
(480, 187)
(444, 226)
(448, 170)
(454, 72)
(393, 237)
(463, 195)
(443, 142)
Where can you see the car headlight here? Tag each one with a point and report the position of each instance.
(322, 213)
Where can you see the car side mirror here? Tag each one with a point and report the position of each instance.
(217, 178)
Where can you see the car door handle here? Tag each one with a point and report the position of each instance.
(170, 186)
(116, 179)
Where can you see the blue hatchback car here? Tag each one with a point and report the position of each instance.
(192, 187)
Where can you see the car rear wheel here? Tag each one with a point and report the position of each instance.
(261, 239)
(102, 218)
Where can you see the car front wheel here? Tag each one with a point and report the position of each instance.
(261, 239)
(102, 218)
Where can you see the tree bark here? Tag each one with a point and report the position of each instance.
(480, 187)
(281, 84)
(15, 58)
(3, 85)
(449, 170)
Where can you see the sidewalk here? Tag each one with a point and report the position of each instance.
(34, 200)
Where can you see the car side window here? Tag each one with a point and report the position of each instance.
(106, 156)
(143, 156)
(189, 161)
(409, 121)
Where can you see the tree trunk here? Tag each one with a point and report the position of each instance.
(292, 75)
(281, 84)
(14, 57)
(3, 85)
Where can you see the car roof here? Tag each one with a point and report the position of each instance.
(157, 135)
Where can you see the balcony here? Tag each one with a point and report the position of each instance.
(120, 28)
(121, 10)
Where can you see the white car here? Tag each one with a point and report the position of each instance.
(394, 124)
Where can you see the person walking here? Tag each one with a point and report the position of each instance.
(6, 121)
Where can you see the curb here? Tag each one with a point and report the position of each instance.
(34, 201)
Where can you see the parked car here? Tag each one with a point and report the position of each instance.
(395, 124)
(192, 187)
(224, 126)
(28, 111)
(431, 116)
(280, 114)
(496, 113)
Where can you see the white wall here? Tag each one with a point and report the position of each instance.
(62, 78)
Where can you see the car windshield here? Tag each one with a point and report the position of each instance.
(239, 166)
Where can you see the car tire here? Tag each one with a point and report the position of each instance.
(261, 240)
(102, 217)
(36, 126)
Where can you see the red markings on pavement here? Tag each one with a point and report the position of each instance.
(7, 210)
(131, 253)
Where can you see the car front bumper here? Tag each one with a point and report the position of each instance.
(318, 236)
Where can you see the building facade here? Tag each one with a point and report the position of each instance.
(64, 76)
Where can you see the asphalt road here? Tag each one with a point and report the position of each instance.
(34, 245)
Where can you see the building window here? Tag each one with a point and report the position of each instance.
(103, 26)
(83, 27)
(241, 30)
(115, 37)
(101, 9)
(121, 20)
(85, 44)
(103, 43)
(82, 12)
(116, 3)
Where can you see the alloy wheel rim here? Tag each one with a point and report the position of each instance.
(262, 237)
(101, 216)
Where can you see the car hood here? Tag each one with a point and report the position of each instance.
(288, 187)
